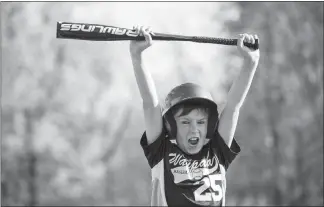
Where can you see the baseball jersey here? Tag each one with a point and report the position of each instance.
(188, 180)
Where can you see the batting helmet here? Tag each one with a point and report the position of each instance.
(194, 94)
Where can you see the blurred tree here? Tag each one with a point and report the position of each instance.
(34, 92)
(288, 93)
(60, 119)
(31, 108)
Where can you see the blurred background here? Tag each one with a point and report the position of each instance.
(72, 118)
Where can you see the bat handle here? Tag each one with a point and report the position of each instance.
(224, 41)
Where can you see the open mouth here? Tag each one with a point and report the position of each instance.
(193, 141)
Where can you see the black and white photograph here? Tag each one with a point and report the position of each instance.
(161, 103)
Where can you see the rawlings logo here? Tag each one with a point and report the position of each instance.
(97, 28)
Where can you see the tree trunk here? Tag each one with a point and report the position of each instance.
(31, 159)
(276, 167)
(272, 114)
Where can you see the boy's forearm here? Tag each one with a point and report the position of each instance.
(242, 84)
(247, 74)
(144, 80)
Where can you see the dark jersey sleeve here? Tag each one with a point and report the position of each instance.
(154, 152)
(226, 154)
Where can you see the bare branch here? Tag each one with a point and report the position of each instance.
(118, 136)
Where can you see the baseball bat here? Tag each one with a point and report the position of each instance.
(99, 32)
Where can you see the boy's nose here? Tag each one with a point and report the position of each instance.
(193, 126)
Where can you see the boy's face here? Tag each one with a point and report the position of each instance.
(191, 130)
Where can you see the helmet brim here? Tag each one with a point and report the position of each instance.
(203, 101)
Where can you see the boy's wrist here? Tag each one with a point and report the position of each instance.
(136, 55)
(252, 62)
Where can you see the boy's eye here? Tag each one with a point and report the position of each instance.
(201, 122)
(185, 122)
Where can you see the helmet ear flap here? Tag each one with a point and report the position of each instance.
(170, 124)
(212, 122)
(167, 125)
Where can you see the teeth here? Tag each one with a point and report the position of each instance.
(194, 138)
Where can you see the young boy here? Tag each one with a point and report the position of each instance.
(189, 147)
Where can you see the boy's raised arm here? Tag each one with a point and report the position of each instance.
(236, 96)
(145, 82)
